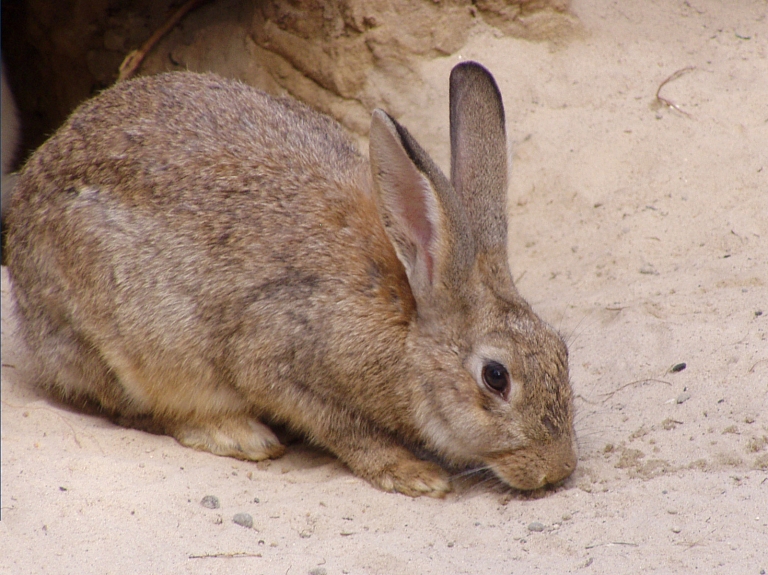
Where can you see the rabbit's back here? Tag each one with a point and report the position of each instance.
(186, 222)
(175, 131)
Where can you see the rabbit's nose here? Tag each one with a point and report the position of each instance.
(562, 462)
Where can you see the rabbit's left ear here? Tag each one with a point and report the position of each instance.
(479, 154)
(420, 211)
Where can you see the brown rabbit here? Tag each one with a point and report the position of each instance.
(191, 251)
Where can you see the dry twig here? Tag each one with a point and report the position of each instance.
(669, 103)
(233, 555)
(627, 543)
(631, 383)
(134, 58)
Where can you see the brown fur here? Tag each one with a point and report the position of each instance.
(189, 250)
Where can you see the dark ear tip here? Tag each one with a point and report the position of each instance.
(470, 68)
(471, 73)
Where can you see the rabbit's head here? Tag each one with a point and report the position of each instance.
(492, 377)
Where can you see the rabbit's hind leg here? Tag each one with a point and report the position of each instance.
(69, 368)
(235, 435)
(188, 401)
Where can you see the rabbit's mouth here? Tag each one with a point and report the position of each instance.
(536, 466)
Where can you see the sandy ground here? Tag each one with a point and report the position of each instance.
(639, 230)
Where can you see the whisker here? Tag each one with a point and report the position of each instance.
(474, 478)
(580, 328)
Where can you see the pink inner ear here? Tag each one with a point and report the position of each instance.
(415, 210)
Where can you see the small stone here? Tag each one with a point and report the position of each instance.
(536, 526)
(676, 529)
(669, 424)
(243, 519)
(210, 501)
(318, 571)
(678, 367)
(683, 397)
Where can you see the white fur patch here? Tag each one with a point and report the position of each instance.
(481, 356)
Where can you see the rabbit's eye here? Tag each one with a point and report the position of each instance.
(496, 377)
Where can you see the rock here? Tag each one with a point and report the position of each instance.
(243, 519)
(210, 502)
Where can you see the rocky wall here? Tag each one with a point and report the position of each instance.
(344, 57)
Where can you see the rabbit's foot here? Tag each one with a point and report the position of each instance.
(237, 436)
(413, 477)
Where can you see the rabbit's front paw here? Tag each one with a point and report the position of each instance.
(413, 477)
(236, 436)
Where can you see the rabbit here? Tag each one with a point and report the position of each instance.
(10, 142)
(191, 252)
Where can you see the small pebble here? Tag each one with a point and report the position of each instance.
(210, 501)
(243, 519)
(676, 529)
(678, 367)
(536, 526)
(318, 571)
(683, 397)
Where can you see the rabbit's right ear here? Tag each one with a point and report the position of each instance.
(420, 210)
(479, 154)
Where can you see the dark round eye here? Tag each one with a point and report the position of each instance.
(496, 377)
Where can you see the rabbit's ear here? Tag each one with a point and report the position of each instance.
(479, 154)
(420, 210)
